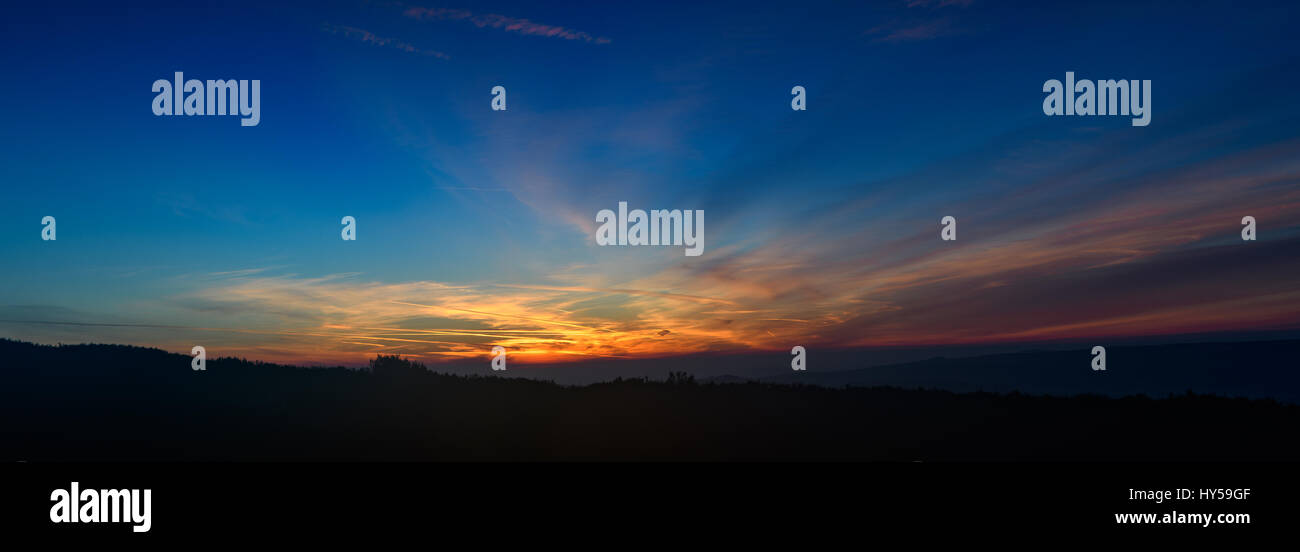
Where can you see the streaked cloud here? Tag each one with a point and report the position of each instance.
(504, 23)
(823, 226)
(362, 35)
(912, 27)
(896, 32)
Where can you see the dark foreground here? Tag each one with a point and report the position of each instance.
(95, 402)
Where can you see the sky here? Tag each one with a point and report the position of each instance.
(476, 227)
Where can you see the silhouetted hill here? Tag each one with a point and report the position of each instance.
(1263, 361)
(1260, 369)
(728, 378)
(91, 402)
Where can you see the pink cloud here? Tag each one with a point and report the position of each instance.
(370, 38)
(921, 31)
(913, 28)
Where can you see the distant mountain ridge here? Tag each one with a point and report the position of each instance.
(112, 402)
(1261, 369)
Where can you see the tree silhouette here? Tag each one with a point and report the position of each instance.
(396, 367)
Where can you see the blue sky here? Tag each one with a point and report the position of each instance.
(818, 221)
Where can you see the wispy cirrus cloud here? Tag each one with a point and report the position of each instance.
(894, 32)
(368, 37)
(911, 27)
(1141, 260)
(509, 24)
(1148, 259)
(938, 3)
